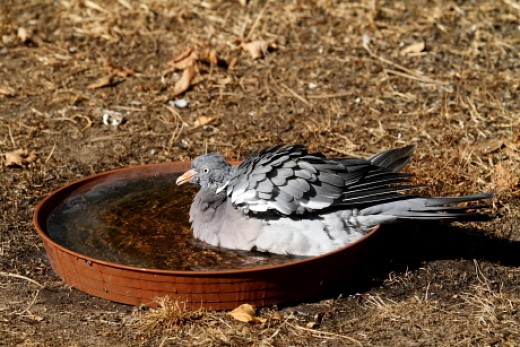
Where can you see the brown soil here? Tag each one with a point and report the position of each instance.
(342, 78)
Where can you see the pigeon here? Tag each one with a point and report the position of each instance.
(286, 200)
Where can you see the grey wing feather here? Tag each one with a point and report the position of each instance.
(297, 188)
(265, 186)
(394, 159)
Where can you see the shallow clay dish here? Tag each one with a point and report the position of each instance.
(215, 289)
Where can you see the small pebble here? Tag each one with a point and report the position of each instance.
(112, 118)
(180, 103)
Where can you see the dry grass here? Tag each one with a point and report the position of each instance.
(202, 328)
(469, 318)
(344, 78)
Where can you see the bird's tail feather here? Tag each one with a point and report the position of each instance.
(430, 209)
(457, 199)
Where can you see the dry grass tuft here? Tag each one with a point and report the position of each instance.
(170, 315)
(176, 325)
(491, 308)
(481, 316)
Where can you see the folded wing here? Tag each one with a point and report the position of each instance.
(290, 181)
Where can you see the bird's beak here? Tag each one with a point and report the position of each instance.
(185, 177)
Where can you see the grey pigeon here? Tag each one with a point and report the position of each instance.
(288, 201)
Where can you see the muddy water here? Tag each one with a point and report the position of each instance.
(143, 223)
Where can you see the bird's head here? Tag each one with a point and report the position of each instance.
(210, 171)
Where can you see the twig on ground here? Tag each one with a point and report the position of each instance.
(407, 73)
(9, 274)
(50, 154)
(296, 95)
(326, 334)
(26, 310)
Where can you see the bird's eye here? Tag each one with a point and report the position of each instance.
(205, 170)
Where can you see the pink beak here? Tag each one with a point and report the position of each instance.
(185, 177)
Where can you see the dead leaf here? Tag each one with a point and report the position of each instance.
(123, 73)
(115, 76)
(311, 325)
(246, 313)
(505, 179)
(19, 157)
(259, 48)
(185, 81)
(243, 2)
(185, 54)
(491, 146)
(203, 120)
(184, 60)
(101, 82)
(414, 48)
(6, 90)
(210, 55)
(225, 81)
(22, 34)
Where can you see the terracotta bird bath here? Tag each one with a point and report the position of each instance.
(123, 235)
